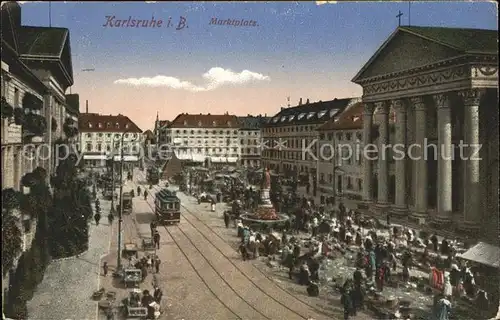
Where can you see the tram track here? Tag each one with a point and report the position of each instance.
(283, 309)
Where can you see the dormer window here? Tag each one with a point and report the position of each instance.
(108, 124)
(214, 123)
(302, 115)
(276, 119)
(127, 126)
(355, 118)
(290, 118)
(333, 112)
(310, 115)
(229, 123)
(199, 123)
(117, 125)
(90, 125)
(321, 113)
(100, 125)
(185, 122)
(283, 118)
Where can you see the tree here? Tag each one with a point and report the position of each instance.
(71, 212)
(11, 233)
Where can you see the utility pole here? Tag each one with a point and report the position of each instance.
(120, 212)
(400, 14)
(112, 210)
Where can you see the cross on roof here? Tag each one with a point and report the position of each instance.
(399, 18)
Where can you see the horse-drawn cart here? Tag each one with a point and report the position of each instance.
(132, 277)
(148, 244)
(130, 249)
(133, 306)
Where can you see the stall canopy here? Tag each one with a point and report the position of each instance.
(483, 253)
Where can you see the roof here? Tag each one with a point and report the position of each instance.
(483, 253)
(94, 122)
(148, 134)
(464, 41)
(186, 120)
(350, 119)
(252, 122)
(42, 41)
(310, 113)
(163, 123)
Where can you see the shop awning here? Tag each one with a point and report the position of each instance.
(127, 158)
(483, 253)
(94, 157)
(232, 159)
(218, 159)
(198, 158)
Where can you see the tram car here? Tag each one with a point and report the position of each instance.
(167, 207)
(153, 176)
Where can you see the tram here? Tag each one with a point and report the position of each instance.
(167, 207)
(153, 175)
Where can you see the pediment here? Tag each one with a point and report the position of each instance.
(404, 51)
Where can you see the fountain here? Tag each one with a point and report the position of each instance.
(265, 215)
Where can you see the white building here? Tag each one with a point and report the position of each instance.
(204, 138)
(251, 140)
(101, 137)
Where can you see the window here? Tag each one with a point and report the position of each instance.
(108, 124)
(199, 123)
(275, 119)
(88, 147)
(89, 135)
(127, 125)
(229, 123)
(117, 125)
(348, 136)
(214, 123)
(310, 115)
(100, 125)
(108, 148)
(192, 131)
(108, 135)
(99, 147)
(16, 97)
(360, 185)
(301, 116)
(321, 113)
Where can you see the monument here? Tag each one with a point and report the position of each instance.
(265, 215)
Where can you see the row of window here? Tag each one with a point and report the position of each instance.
(227, 132)
(111, 135)
(200, 150)
(108, 125)
(99, 147)
(289, 129)
(349, 136)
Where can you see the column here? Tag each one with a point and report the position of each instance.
(367, 164)
(444, 152)
(471, 153)
(400, 161)
(418, 153)
(383, 163)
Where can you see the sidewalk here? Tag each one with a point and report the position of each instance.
(68, 284)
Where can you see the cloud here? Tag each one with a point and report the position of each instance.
(319, 3)
(214, 78)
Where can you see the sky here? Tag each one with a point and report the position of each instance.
(279, 49)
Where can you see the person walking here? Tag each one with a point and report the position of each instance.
(226, 219)
(156, 239)
(111, 217)
(145, 194)
(97, 218)
(105, 268)
(138, 191)
(157, 265)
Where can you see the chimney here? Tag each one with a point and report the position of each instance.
(282, 109)
(86, 106)
(307, 101)
(300, 102)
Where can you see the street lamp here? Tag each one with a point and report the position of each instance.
(120, 212)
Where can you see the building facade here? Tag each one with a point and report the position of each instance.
(36, 71)
(290, 137)
(340, 164)
(104, 137)
(251, 140)
(442, 84)
(160, 131)
(204, 139)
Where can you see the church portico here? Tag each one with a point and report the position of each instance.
(436, 109)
